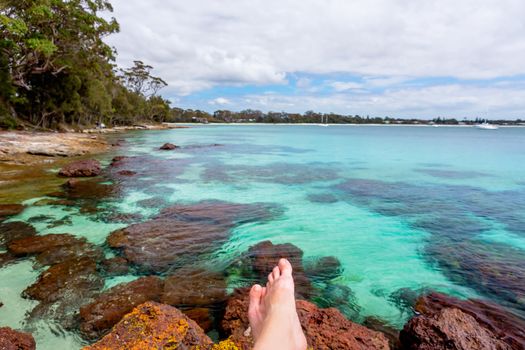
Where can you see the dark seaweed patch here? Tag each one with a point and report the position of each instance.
(451, 174)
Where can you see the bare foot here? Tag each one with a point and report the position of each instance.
(273, 317)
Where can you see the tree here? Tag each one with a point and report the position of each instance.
(139, 79)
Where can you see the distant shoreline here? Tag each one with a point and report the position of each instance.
(345, 124)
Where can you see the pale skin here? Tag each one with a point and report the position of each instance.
(273, 318)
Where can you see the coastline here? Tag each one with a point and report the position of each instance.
(335, 124)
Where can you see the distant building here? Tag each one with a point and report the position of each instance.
(199, 120)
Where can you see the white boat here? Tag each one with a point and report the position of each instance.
(487, 126)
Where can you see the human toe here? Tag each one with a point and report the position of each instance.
(285, 267)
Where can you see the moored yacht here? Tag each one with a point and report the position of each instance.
(487, 126)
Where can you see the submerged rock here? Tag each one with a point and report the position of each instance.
(81, 168)
(194, 287)
(126, 173)
(115, 266)
(263, 257)
(55, 248)
(181, 232)
(10, 210)
(62, 289)
(154, 326)
(119, 160)
(16, 340)
(323, 328)
(6, 259)
(324, 269)
(87, 189)
(450, 328)
(494, 269)
(65, 280)
(444, 321)
(109, 308)
(168, 147)
(10, 231)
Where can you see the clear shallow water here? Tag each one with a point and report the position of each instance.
(400, 207)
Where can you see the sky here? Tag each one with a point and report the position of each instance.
(397, 58)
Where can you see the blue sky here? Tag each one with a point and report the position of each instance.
(401, 58)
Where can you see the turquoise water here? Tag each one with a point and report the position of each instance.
(400, 207)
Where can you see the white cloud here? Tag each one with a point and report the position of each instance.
(197, 45)
(443, 100)
(221, 101)
(345, 85)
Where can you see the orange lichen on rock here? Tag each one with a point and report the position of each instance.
(227, 344)
(154, 326)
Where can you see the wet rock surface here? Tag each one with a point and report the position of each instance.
(10, 231)
(87, 190)
(10, 209)
(324, 268)
(62, 289)
(450, 328)
(115, 266)
(54, 248)
(154, 326)
(81, 168)
(194, 287)
(109, 308)
(202, 316)
(503, 324)
(168, 147)
(263, 257)
(16, 340)
(65, 279)
(119, 160)
(126, 173)
(323, 328)
(181, 232)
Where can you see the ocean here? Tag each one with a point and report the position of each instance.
(404, 209)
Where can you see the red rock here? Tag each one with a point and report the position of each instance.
(62, 289)
(126, 173)
(54, 248)
(81, 168)
(109, 308)
(503, 324)
(382, 326)
(69, 278)
(168, 147)
(6, 259)
(10, 231)
(154, 326)
(118, 160)
(10, 209)
(450, 328)
(39, 244)
(181, 232)
(263, 257)
(88, 189)
(324, 269)
(194, 287)
(201, 316)
(323, 328)
(15, 340)
(115, 266)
